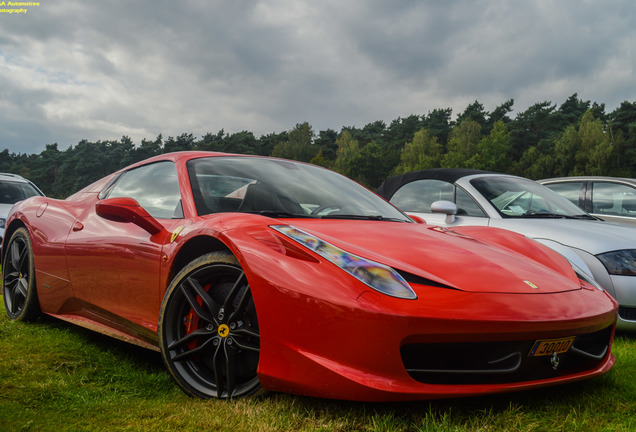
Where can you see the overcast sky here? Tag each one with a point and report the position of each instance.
(99, 70)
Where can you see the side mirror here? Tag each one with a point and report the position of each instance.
(127, 210)
(445, 207)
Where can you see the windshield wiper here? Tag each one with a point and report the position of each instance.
(362, 217)
(532, 214)
(549, 215)
(279, 214)
(582, 217)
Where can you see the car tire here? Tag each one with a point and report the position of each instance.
(208, 329)
(18, 278)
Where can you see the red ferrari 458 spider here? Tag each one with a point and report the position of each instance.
(250, 272)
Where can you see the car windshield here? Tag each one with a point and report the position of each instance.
(281, 188)
(12, 192)
(523, 198)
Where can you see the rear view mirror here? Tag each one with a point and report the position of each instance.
(445, 207)
(127, 210)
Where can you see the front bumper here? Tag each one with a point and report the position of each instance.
(371, 354)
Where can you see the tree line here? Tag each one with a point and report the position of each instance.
(576, 138)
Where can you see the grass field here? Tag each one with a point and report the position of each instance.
(55, 376)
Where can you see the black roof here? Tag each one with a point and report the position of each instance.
(450, 175)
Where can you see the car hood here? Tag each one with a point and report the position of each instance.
(594, 237)
(442, 256)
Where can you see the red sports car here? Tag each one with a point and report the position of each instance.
(250, 272)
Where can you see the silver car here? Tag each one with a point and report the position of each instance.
(13, 188)
(452, 197)
(610, 198)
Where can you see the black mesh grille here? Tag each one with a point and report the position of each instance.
(500, 362)
(627, 313)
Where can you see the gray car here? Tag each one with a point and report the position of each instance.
(452, 197)
(13, 188)
(610, 198)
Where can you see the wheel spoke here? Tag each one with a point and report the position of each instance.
(205, 297)
(248, 345)
(229, 300)
(242, 305)
(217, 363)
(23, 260)
(11, 278)
(190, 337)
(23, 287)
(230, 362)
(15, 299)
(193, 351)
(190, 285)
(9, 294)
(15, 255)
(247, 331)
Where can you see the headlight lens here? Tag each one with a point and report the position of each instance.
(375, 275)
(3, 221)
(620, 262)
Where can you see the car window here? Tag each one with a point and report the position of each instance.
(216, 193)
(518, 197)
(280, 187)
(12, 192)
(418, 195)
(569, 190)
(466, 205)
(155, 187)
(613, 199)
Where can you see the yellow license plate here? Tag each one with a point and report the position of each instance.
(550, 346)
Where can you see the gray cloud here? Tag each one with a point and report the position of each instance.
(73, 70)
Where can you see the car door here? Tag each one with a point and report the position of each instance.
(115, 267)
(417, 197)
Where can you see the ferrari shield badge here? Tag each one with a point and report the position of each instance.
(531, 284)
(175, 234)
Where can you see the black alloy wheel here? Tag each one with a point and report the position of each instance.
(18, 278)
(208, 329)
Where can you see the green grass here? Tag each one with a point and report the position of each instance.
(55, 376)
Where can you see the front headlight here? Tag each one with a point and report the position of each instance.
(620, 262)
(375, 275)
(3, 221)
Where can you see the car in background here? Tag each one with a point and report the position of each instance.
(13, 188)
(455, 197)
(249, 272)
(610, 198)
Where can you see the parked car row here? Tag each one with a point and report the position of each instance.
(251, 273)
